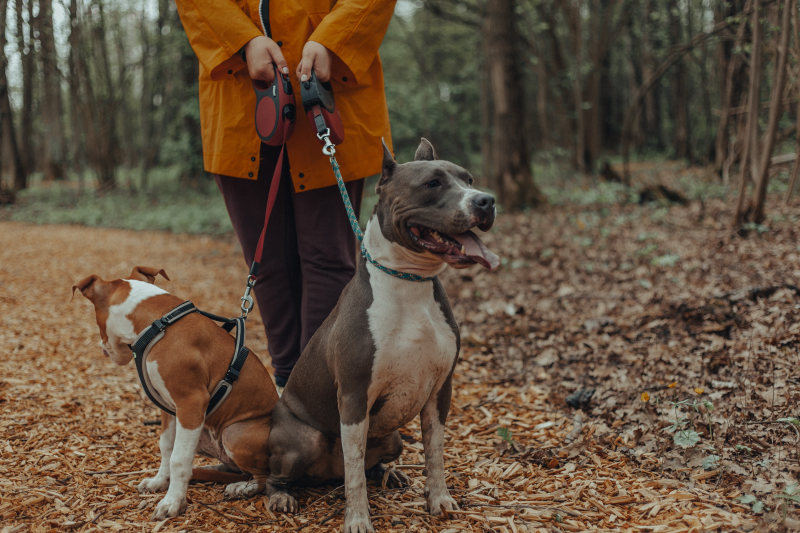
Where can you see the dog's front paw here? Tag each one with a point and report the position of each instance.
(440, 502)
(169, 506)
(153, 484)
(357, 521)
(282, 502)
(242, 489)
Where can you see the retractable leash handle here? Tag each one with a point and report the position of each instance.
(275, 109)
(320, 108)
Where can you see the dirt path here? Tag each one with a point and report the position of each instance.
(77, 434)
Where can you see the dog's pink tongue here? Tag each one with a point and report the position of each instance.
(477, 251)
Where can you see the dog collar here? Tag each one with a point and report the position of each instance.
(408, 276)
(351, 216)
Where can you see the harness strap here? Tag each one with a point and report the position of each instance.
(155, 332)
(148, 337)
(223, 388)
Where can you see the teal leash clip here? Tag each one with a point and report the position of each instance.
(330, 150)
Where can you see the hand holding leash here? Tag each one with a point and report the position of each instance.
(315, 58)
(317, 97)
(260, 53)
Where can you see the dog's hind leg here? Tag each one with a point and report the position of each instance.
(246, 444)
(165, 443)
(295, 450)
(381, 451)
(180, 467)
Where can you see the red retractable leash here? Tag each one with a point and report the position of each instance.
(274, 119)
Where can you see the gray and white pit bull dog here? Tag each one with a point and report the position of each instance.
(386, 352)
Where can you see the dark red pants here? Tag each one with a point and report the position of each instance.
(309, 254)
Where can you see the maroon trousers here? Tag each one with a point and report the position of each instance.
(309, 253)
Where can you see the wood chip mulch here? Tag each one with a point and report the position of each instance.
(78, 434)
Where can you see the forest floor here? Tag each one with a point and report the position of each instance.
(687, 334)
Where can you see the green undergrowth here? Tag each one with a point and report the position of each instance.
(167, 206)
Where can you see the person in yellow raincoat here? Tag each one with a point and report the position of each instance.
(309, 249)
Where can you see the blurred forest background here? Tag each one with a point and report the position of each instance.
(103, 93)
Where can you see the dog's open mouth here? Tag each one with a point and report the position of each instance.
(459, 250)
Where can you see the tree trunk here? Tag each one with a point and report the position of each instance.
(6, 116)
(776, 105)
(750, 150)
(189, 67)
(25, 47)
(600, 36)
(510, 175)
(680, 96)
(796, 167)
(574, 8)
(77, 144)
(153, 89)
(52, 106)
(731, 71)
(487, 156)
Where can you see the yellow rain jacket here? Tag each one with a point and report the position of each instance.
(351, 29)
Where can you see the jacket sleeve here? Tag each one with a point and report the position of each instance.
(217, 30)
(354, 30)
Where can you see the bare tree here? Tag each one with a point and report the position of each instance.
(96, 97)
(510, 169)
(25, 48)
(153, 88)
(51, 104)
(6, 116)
(733, 71)
(796, 53)
(680, 95)
(775, 108)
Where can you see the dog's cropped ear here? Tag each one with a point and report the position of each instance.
(147, 274)
(388, 165)
(425, 151)
(86, 286)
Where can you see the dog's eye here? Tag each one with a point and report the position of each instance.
(433, 184)
(470, 180)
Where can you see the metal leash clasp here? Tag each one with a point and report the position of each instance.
(247, 299)
(328, 147)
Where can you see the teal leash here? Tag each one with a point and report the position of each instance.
(329, 150)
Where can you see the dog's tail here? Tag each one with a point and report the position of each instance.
(218, 474)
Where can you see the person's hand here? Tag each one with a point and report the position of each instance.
(261, 52)
(317, 57)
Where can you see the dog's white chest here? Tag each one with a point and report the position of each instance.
(415, 349)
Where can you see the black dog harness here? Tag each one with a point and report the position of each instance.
(156, 331)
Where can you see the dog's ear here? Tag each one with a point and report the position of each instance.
(86, 286)
(388, 165)
(147, 274)
(425, 151)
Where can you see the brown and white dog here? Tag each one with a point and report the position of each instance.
(183, 368)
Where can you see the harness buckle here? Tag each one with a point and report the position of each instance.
(160, 324)
(231, 375)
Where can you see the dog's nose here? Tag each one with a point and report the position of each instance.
(484, 206)
(484, 203)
